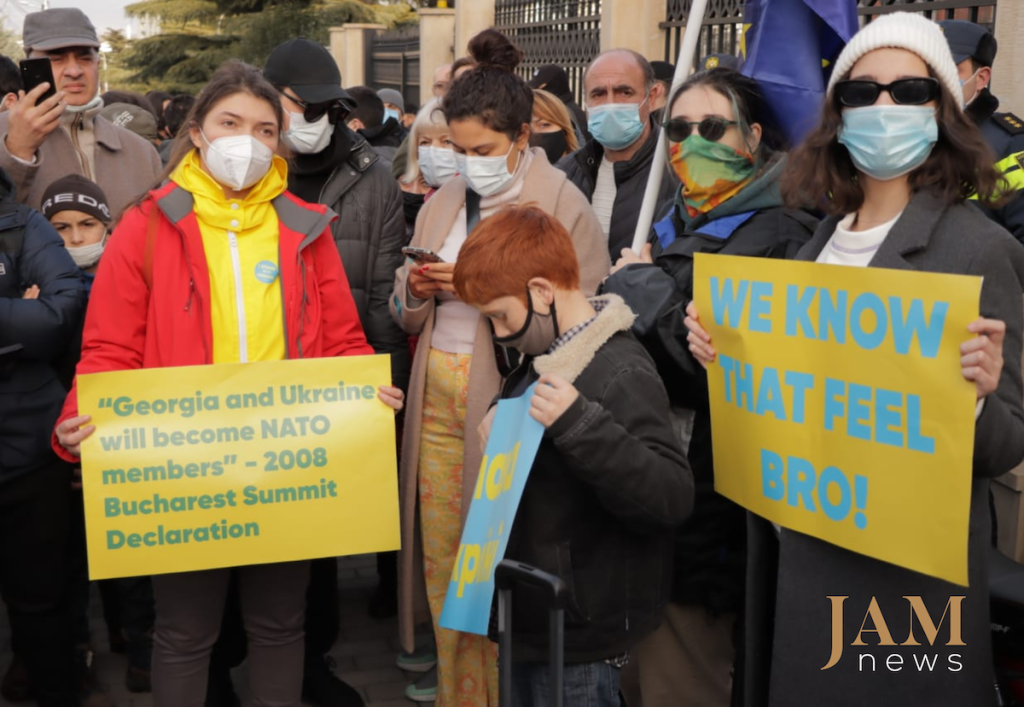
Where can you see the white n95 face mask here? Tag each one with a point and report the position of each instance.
(238, 161)
(85, 256)
(307, 138)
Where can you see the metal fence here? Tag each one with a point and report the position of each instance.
(721, 34)
(562, 32)
(393, 61)
(723, 24)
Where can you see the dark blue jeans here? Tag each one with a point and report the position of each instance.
(585, 685)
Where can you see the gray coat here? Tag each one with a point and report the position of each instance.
(369, 233)
(789, 578)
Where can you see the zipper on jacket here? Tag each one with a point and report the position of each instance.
(192, 292)
(76, 125)
(236, 264)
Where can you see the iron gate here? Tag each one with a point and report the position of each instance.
(393, 61)
(723, 25)
(562, 32)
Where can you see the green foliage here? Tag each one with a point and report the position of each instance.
(201, 34)
(175, 12)
(10, 43)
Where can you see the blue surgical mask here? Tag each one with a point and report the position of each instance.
(392, 113)
(886, 142)
(616, 125)
(437, 165)
(963, 82)
(487, 176)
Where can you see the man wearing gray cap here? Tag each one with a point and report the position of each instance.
(42, 141)
(394, 104)
(974, 50)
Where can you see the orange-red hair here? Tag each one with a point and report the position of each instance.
(507, 250)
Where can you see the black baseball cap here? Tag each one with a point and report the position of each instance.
(968, 40)
(552, 78)
(663, 71)
(309, 70)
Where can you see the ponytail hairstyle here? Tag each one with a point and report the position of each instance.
(491, 92)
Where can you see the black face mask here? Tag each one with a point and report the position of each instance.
(537, 334)
(412, 203)
(553, 144)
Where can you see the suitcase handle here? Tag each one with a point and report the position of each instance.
(556, 593)
(509, 573)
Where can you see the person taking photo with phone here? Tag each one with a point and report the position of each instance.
(44, 140)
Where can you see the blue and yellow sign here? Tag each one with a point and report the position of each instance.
(838, 407)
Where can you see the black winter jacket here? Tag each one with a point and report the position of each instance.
(631, 179)
(369, 233)
(608, 484)
(710, 546)
(31, 396)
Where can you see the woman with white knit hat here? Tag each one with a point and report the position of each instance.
(893, 163)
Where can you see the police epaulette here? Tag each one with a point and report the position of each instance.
(1010, 123)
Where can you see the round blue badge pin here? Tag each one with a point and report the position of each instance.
(266, 271)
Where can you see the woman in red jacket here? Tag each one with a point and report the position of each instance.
(245, 272)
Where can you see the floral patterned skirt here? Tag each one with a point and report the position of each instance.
(467, 663)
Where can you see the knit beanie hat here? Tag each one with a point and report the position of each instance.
(75, 193)
(902, 30)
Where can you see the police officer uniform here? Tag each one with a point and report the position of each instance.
(1004, 132)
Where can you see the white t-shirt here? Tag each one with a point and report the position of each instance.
(855, 248)
(604, 194)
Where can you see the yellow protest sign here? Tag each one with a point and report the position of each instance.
(237, 464)
(837, 404)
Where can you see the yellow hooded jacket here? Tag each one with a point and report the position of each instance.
(240, 239)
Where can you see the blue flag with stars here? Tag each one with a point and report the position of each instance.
(789, 47)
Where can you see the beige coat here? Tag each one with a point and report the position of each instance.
(547, 188)
(123, 164)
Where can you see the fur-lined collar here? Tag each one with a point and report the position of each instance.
(570, 360)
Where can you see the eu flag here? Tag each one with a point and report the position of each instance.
(790, 48)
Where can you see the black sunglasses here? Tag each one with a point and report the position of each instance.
(905, 92)
(713, 128)
(313, 112)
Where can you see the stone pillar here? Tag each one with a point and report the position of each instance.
(1007, 79)
(471, 17)
(337, 48)
(437, 46)
(351, 52)
(628, 24)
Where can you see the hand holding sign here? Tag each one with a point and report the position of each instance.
(551, 399)
(981, 358)
(698, 338)
(73, 431)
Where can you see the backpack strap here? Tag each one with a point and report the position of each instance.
(472, 210)
(152, 222)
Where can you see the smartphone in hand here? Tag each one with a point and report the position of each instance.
(35, 72)
(422, 256)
